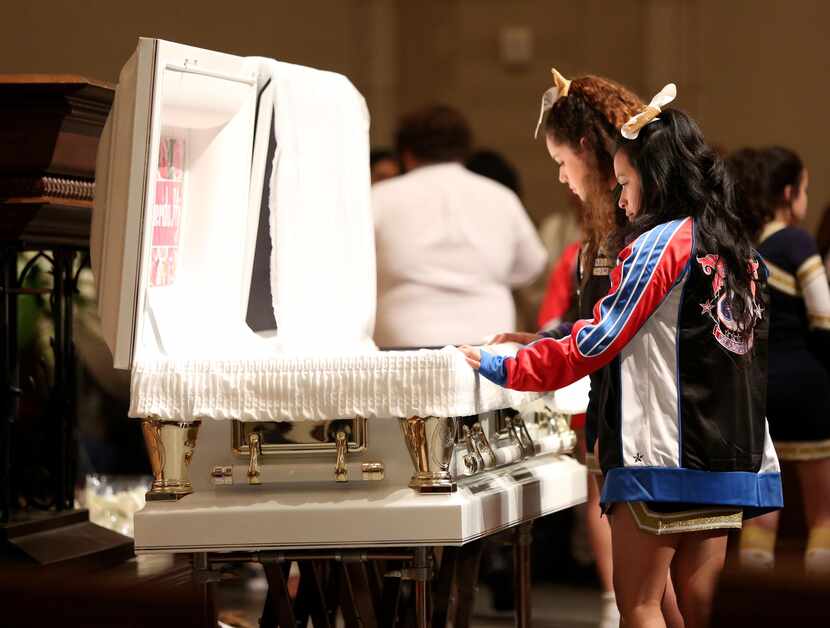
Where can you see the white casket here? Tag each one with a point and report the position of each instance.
(233, 252)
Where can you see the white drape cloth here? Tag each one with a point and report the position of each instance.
(323, 262)
(377, 384)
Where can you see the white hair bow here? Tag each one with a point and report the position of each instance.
(631, 129)
(560, 88)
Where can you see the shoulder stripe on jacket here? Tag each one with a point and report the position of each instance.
(646, 272)
(635, 274)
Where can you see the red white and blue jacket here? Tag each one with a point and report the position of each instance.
(684, 420)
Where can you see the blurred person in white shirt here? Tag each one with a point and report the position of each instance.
(451, 244)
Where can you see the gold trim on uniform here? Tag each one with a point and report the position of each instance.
(708, 518)
(809, 269)
(782, 281)
(771, 228)
(603, 266)
(592, 464)
(803, 450)
(821, 321)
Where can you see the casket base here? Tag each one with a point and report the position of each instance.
(359, 515)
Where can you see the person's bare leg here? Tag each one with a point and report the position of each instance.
(599, 538)
(599, 535)
(814, 476)
(697, 564)
(669, 606)
(641, 563)
(757, 547)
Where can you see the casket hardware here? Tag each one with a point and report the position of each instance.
(563, 422)
(170, 447)
(280, 438)
(254, 451)
(472, 459)
(544, 423)
(372, 470)
(520, 435)
(485, 451)
(221, 475)
(341, 472)
(431, 444)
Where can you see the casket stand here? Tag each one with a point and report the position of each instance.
(233, 250)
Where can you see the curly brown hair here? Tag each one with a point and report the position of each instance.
(588, 120)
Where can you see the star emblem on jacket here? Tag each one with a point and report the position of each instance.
(638, 457)
(706, 308)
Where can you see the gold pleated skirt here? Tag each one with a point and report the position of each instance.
(695, 520)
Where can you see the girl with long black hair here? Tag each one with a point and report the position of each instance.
(687, 453)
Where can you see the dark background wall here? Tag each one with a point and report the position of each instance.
(751, 71)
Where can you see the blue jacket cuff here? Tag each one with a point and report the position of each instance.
(493, 368)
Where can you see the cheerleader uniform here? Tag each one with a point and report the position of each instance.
(596, 287)
(684, 440)
(581, 299)
(798, 393)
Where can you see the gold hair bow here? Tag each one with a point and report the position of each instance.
(560, 89)
(631, 129)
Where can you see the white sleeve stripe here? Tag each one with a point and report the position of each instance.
(615, 318)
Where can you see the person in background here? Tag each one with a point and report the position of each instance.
(493, 165)
(562, 294)
(772, 185)
(684, 326)
(383, 164)
(823, 238)
(451, 244)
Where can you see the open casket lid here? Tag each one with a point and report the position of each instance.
(174, 102)
(204, 157)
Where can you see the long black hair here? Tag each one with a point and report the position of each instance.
(748, 169)
(682, 176)
(761, 179)
(783, 168)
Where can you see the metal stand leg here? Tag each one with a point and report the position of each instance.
(469, 563)
(421, 568)
(333, 579)
(278, 603)
(207, 581)
(374, 573)
(391, 594)
(348, 607)
(360, 594)
(523, 537)
(443, 587)
(311, 600)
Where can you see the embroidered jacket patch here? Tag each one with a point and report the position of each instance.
(726, 330)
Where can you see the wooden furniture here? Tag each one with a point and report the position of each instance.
(49, 131)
